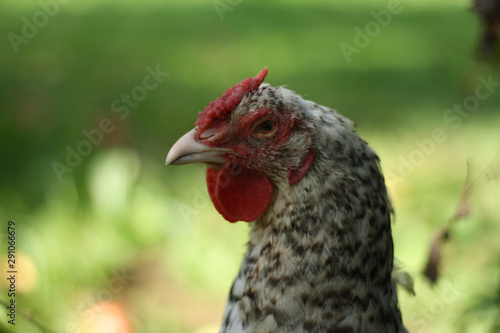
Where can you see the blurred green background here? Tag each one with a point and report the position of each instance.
(113, 241)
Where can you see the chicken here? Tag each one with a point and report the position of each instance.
(320, 250)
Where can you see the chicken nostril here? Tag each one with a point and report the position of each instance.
(208, 133)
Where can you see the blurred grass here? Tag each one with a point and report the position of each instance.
(121, 213)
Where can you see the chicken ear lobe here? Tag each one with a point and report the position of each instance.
(296, 172)
(239, 193)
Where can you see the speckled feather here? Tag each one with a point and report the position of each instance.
(320, 257)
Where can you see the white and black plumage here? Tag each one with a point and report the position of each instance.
(320, 250)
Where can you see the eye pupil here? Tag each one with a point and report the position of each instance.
(267, 126)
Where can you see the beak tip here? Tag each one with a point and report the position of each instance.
(169, 160)
(179, 147)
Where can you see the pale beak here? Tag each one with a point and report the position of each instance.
(187, 150)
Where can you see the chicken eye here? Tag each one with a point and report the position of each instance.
(266, 128)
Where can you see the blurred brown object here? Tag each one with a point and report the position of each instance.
(489, 13)
(431, 271)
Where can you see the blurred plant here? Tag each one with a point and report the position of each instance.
(30, 318)
(485, 307)
(462, 211)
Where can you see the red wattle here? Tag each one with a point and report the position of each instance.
(239, 193)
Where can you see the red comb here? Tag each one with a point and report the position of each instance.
(229, 100)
